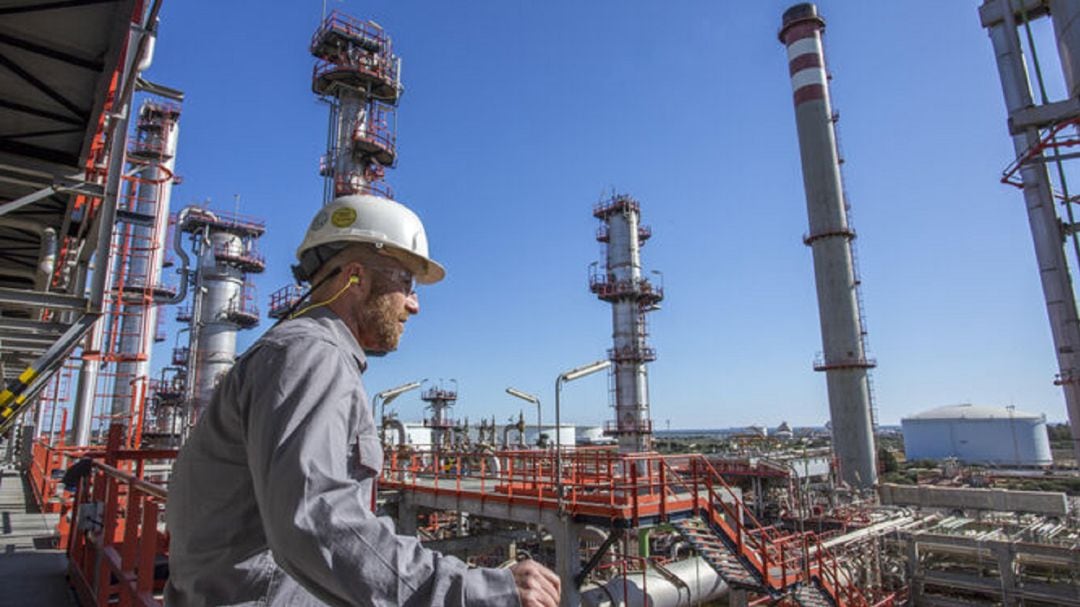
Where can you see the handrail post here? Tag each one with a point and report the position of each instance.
(694, 475)
(663, 491)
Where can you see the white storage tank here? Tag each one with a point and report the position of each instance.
(567, 434)
(977, 434)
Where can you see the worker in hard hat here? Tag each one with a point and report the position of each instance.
(271, 499)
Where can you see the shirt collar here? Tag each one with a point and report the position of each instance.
(346, 338)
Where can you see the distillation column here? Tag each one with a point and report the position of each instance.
(156, 135)
(357, 73)
(1026, 118)
(440, 400)
(844, 359)
(631, 296)
(224, 245)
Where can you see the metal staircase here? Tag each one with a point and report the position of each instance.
(721, 557)
(751, 556)
(811, 595)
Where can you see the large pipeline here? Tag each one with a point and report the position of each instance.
(687, 582)
(393, 422)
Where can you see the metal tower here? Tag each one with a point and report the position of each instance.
(116, 376)
(224, 299)
(1041, 131)
(358, 75)
(631, 296)
(843, 331)
(439, 400)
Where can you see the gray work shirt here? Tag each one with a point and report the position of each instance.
(270, 498)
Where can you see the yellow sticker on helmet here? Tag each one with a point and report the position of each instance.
(343, 217)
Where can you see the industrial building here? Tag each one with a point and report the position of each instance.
(973, 434)
(88, 229)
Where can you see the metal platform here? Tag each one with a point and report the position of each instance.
(30, 565)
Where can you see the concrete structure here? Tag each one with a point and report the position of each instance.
(1027, 116)
(631, 296)
(962, 562)
(844, 359)
(963, 498)
(978, 435)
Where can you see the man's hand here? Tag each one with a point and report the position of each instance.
(537, 585)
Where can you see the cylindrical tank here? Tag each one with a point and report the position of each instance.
(978, 435)
(567, 434)
(698, 584)
(224, 284)
(844, 359)
(628, 334)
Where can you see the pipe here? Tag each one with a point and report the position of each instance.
(47, 259)
(688, 582)
(506, 433)
(393, 422)
(185, 262)
(519, 425)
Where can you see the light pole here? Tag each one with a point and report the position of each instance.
(384, 397)
(570, 375)
(532, 398)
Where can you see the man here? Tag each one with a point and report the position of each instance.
(270, 502)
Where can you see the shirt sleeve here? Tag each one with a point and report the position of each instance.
(321, 531)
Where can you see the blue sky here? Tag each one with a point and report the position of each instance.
(518, 116)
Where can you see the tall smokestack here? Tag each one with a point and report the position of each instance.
(844, 358)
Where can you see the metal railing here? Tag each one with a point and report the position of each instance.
(115, 532)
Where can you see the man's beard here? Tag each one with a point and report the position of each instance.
(379, 321)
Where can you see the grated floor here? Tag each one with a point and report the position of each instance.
(32, 570)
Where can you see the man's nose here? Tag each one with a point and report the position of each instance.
(412, 303)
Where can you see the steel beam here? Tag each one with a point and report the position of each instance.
(26, 324)
(73, 184)
(15, 398)
(52, 53)
(39, 299)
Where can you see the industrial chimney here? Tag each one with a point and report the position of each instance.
(843, 358)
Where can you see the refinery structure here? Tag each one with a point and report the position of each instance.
(95, 255)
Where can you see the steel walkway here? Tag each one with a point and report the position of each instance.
(33, 570)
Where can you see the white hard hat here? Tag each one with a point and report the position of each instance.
(394, 229)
